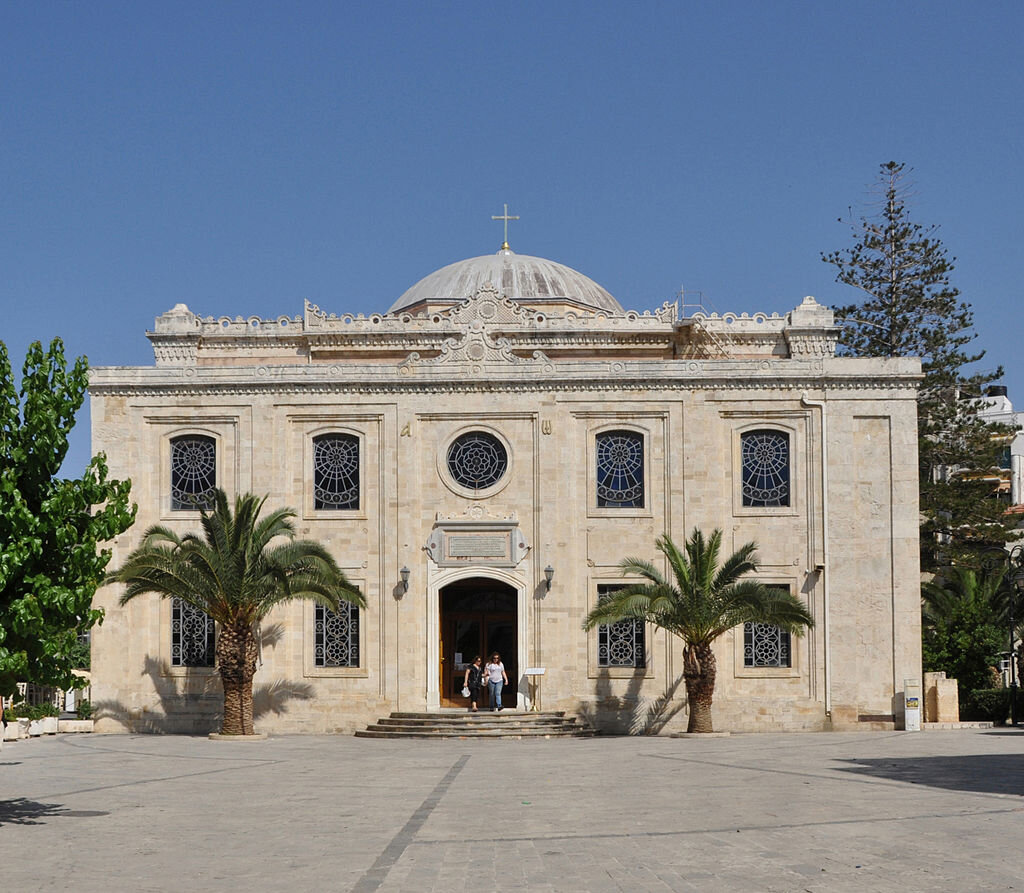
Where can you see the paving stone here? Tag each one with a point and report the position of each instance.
(819, 812)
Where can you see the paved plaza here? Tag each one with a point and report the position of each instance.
(937, 810)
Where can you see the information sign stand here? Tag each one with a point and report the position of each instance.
(533, 677)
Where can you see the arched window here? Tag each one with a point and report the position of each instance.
(765, 465)
(336, 471)
(193, 472)
(620, 469)
(192, 636)
(477, 460)
(336, 637)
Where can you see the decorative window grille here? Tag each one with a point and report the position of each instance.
(336, 637)
(336, 471)
(193, 472)
(765, 645)
(620, 644)
(192, 636)
(620, 469)
(477, 460)
(765, 460)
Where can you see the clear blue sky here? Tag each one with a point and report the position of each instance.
(241, 156)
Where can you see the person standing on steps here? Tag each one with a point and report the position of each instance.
(496, 679)
(473, 681)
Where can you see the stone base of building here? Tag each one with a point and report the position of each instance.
(610, 716)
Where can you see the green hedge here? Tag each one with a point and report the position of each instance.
(987, 705)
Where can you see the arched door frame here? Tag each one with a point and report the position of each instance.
(438, 579)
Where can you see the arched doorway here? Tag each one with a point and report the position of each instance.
(478, 616)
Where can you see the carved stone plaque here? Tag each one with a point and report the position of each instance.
(477, 545)
(476, 538)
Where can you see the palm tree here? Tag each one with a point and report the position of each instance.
(236, 576)
(964, 615)
(700, 602)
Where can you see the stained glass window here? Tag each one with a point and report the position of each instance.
(336, 637)
(193, 472)
(336, 471)
(477, 460)
(192, 636)
(620, 644)
(620, 469)
(765, 461)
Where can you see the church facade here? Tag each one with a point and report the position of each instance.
(479, 459)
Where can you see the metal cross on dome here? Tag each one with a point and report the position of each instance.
(506, 218)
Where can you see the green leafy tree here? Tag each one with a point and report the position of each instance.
(699, 601)
(963, 634)
(908, 307)
(50, 527)
(236, 574)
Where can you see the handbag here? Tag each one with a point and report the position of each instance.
(465, 691)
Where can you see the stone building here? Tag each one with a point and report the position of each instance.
(479, 458)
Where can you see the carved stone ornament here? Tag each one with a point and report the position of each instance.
(811, 343)
(476, 538)
(169, 350)
(489, 307)
(476, 350)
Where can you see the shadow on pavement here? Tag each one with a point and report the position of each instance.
(981, 773)
(30, 812)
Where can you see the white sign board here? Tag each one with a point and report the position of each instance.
(534, 671)
(912, 705)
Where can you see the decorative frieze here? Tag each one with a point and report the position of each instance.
(175, 351)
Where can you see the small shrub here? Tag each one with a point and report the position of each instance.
(84, 709)
(986, 705)
(32, 711)
(21, 710)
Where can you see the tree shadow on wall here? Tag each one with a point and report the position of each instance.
(191, 701)
(630, 713)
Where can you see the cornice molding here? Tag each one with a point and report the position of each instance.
(191, 387)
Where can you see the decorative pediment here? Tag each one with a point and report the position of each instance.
(489, 307)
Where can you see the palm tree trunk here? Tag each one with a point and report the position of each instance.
(699, 672)
(236, 661)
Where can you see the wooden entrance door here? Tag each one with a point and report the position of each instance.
(478, 616)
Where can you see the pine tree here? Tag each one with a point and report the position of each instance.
(908, 307)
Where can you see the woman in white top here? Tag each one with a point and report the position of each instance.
(496, 678)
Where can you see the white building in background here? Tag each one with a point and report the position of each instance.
(999, 409)
(506, 415)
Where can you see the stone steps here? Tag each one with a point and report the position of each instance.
(485, 724)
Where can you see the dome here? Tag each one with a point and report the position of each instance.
(528, 280)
